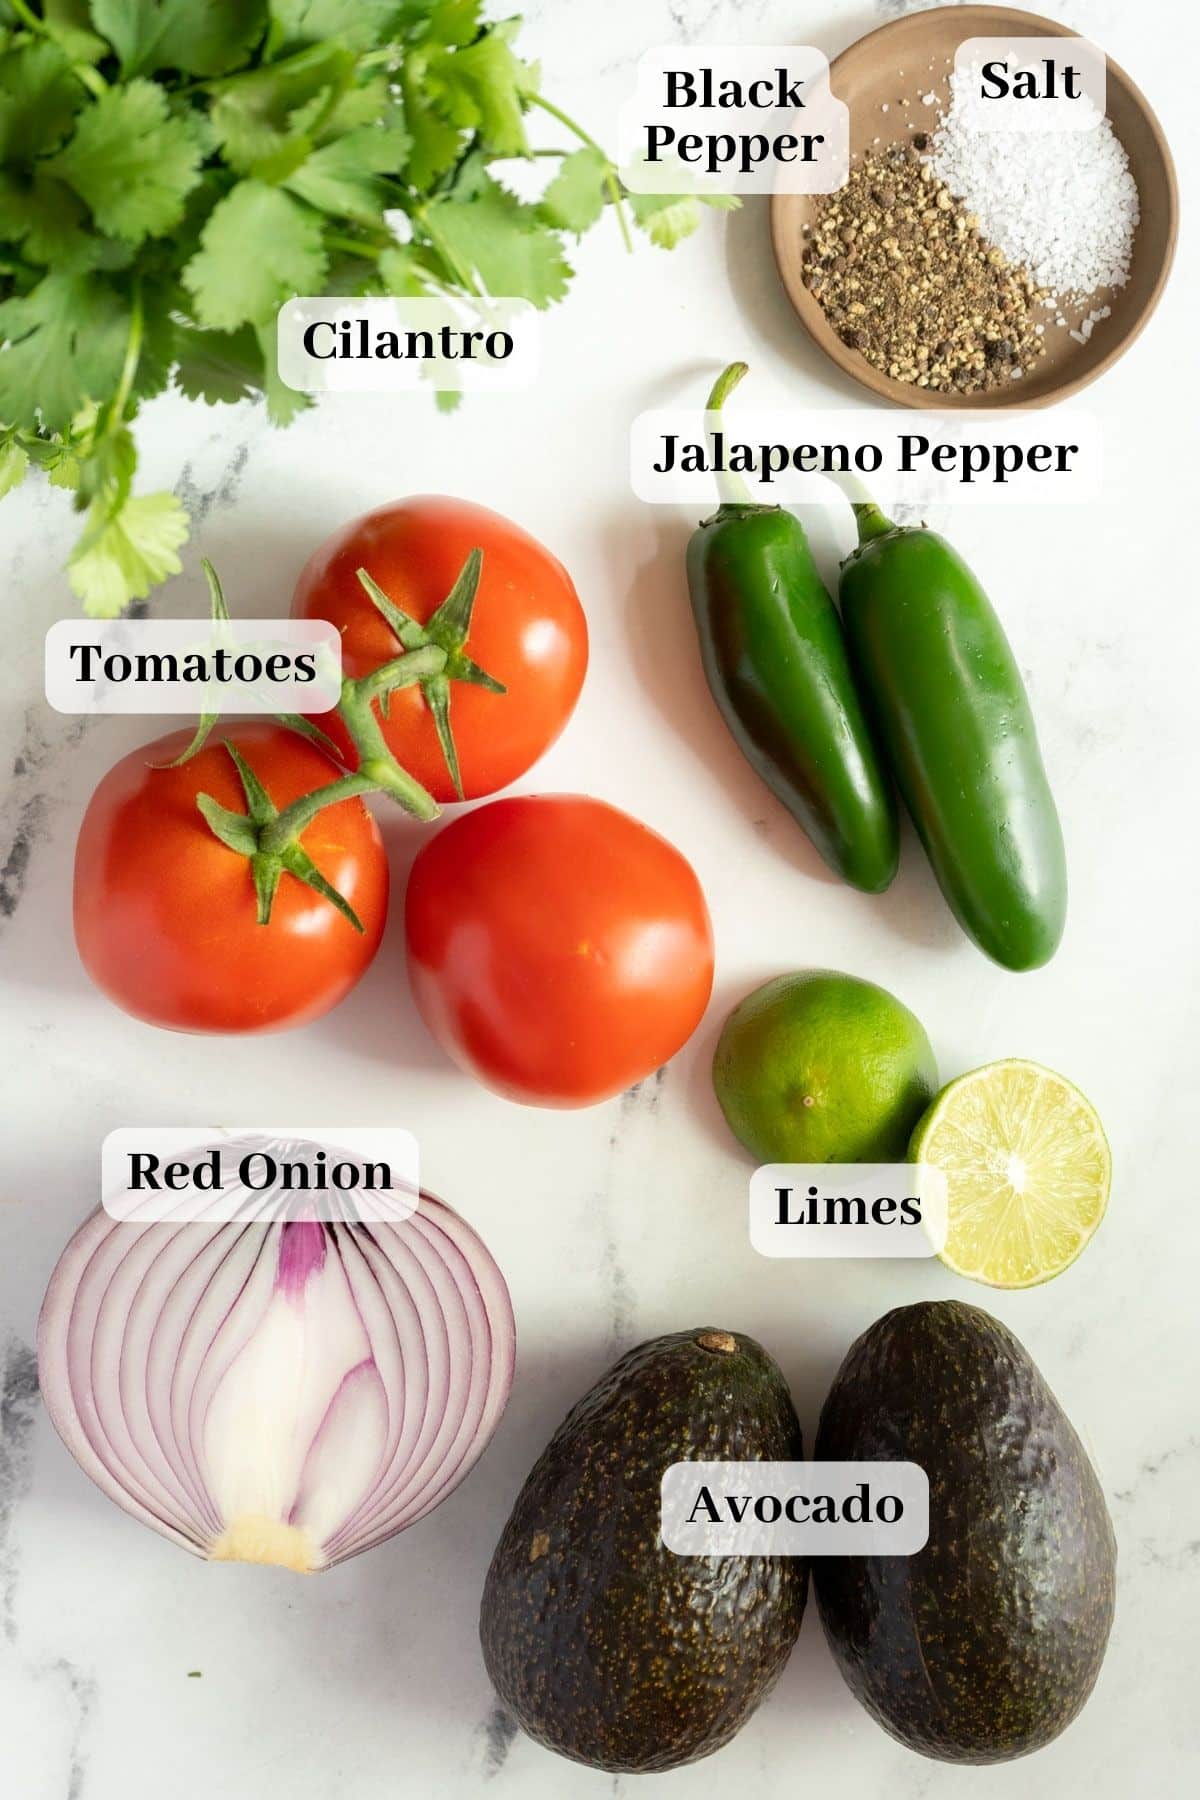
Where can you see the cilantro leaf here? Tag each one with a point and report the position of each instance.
(178, 34)
(46, 218)
(131, 161)
(122, 556)
(575, 198)
(107, 474)
(161, 301)
(480, 88)
(435, 142)
(668, 223)
(65, 470)
(668, 218)
(283, 402)
(352, 272)
(446, 21)
(179, 170)
(400, 273)
(342, 178)
(39, 97)
(218, 365)
(253, 113)
(65, 345)
(503, 241)
(13, 465)
(359, 24)
(665, 218)
(369, 103)
(259, 248)
(69, 23)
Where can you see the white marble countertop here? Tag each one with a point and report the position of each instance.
(630, 1219)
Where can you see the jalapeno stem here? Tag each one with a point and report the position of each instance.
(731, 489)
(871, 522)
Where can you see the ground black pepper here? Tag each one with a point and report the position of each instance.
(906, 279)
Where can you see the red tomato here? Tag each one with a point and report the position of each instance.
(558, 949)
(527, 631)
(165, 913)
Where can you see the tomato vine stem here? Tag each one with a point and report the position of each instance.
(378, 771)
(434, 657)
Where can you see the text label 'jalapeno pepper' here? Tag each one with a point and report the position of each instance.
(954, 719)
(776, 663)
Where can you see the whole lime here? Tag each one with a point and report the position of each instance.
(821, 1067)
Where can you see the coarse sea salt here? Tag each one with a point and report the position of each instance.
(1062, 203)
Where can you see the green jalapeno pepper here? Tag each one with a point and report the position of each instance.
(946, 695)
(776, 663)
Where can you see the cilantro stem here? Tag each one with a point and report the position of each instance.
(355, 246)
(460, 271)
(28, 17)
(274, 38)
(563, 118)
(611, 180)
(333, 99)
(91, 78)
(133, 355)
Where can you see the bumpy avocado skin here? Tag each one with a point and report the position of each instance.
(986, 1644)
(606, 1646)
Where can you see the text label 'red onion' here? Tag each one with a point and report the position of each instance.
(184, 1174)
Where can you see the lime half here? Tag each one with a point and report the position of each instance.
(1027, 1169)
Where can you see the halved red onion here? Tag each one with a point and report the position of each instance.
(286, 1393)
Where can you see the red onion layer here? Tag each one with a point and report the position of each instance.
(288, 1393)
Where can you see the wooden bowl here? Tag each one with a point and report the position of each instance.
(867, 76)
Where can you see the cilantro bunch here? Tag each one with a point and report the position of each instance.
(171, 172)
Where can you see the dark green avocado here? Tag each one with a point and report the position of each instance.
(986, 1644)
(606, 1646)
